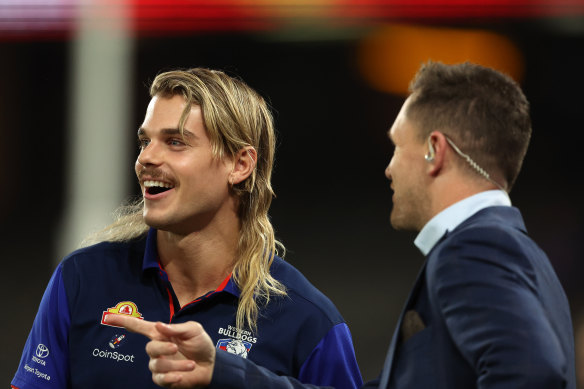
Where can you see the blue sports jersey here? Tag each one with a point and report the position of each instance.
(301, 335)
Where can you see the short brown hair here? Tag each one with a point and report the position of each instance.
(483, 111)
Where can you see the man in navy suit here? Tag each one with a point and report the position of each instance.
(487, 310)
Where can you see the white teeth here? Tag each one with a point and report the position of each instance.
(150, 184)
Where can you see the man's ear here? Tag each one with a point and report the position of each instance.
(244, 163)
(436, 152)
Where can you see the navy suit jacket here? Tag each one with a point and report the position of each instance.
(493, 311)
(495, 314)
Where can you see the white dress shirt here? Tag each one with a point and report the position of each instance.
(451, 217)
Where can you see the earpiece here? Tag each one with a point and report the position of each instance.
(430, 154)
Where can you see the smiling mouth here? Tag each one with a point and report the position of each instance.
(156, 187)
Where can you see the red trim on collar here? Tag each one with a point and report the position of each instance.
(171, 300)
(224, 283)
(219, 289)
(171, 304)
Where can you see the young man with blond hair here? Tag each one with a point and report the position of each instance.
(199, 246)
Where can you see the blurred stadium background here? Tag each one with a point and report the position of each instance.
(74, 90)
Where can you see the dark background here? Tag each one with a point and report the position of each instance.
(333, 201)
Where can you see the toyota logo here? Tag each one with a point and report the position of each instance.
(42, 351)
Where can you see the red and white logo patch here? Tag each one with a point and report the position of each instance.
(127, 308)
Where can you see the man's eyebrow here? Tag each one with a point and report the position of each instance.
(170, 131)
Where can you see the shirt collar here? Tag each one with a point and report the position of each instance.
(151, 262)
(151, 251)
(451, 217)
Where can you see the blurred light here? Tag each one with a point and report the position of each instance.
(391, 55)
(29, 18)
(22, 18)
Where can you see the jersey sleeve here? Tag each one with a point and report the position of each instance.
(234, 372)
(333, 361)
(331, 364)
(45, 358)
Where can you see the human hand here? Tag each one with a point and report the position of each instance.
(181, 355)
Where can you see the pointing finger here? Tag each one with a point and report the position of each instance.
(132, 324)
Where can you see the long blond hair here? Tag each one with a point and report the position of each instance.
(235, 116)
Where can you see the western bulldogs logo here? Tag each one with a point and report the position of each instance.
(234, 346)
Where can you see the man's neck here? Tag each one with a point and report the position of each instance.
(451, 192)
(198, 262)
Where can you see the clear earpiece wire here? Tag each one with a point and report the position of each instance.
(473, 164)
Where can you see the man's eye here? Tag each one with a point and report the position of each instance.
(176, 142)
(142, 143)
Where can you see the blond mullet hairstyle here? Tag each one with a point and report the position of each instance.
(235, 116)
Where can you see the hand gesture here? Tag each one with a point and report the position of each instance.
(181, 355)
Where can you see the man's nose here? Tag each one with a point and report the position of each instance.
(150, 155)
(387, 171)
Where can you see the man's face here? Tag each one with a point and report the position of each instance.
(406, 173)
(183, 185)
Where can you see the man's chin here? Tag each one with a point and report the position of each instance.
(168, 225)
(155, 222)
(401, 223)
(397, 226)
(395, 220)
